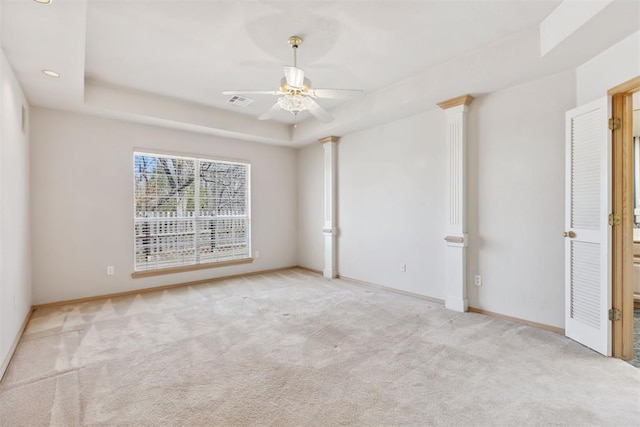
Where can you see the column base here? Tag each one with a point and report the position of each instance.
(328, 274)
(456, 304)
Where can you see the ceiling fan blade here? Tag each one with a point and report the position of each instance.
(252, 92)
(336, 93)
(270, 112)
(317, 111)
(294, 76)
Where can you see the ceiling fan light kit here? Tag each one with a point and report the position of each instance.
(292, 103)
(296, 94)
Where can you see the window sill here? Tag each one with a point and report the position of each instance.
(171, 270)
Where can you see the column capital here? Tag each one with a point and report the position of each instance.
(454, 102)
(329, 139)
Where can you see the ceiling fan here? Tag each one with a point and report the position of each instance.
(296, 94)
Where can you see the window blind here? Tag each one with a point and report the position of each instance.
(189, 211)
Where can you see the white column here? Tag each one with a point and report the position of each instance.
(330, 230)
(456, 238)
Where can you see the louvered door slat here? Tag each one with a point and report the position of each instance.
(585, 275)
(585, 171)
(587, 205)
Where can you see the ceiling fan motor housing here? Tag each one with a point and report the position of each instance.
(284, 87)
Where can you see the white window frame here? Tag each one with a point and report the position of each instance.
(197, 218)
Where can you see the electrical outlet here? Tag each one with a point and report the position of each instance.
(110, 270)
(478, 280)
(257, 254)
(403, 268)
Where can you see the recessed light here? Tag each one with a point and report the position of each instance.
(43, 1)
(50, 73)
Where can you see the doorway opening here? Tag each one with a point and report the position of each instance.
(625, 222)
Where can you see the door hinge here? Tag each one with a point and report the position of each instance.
(615, 314)
(614, 124)
(614, 219)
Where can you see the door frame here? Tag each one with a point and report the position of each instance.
(622, 206)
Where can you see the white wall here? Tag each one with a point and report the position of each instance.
(15, 276)
(390, 205)
(82, 195)
(617, 64)
(516, 199)
(311, 206)
(392, 201)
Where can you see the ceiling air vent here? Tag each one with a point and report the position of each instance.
(239, 101)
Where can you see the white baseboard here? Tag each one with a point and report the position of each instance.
(397, 291)
(546, 327)
(157, 288)
(14, 345)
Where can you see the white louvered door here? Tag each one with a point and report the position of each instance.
(587, 232)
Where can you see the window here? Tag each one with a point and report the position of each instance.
(190, 212)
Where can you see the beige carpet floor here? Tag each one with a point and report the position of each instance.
(291, 349)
